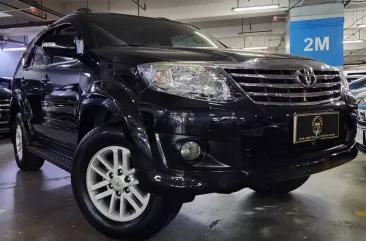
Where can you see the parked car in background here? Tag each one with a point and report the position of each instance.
(358, 88)
(148, 113)
(361, 127)
(353, 75)
(5, 96)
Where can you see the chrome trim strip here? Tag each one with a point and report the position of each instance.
(160, 148)
(287, 86)
(324, 76)
(263, 76)
(295, 95)
(277, 76)
(298, 103)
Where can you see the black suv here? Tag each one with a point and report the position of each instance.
(147, 113)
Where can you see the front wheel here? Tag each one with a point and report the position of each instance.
(107, 190)
(280, 188)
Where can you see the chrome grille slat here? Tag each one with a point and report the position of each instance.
(4, 105)
(288, 86)
(275, 76)
(280, 87)
(295, 95)
(299, 104)
(263, 76)
(327, 76)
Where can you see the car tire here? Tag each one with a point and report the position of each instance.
(101, 144)
(280, 188)
(25, 160)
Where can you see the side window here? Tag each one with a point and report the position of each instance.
(39, 57)
(68, 30)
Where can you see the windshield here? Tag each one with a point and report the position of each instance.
(118, 29)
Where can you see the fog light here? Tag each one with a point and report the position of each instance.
(190, 151)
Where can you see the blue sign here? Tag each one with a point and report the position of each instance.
(320, 39)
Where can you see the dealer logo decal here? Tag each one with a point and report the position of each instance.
(317, 125)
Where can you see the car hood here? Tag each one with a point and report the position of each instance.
(5, 92)
(138, 55)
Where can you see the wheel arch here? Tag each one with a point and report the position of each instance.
(95, 112)
(124, 115)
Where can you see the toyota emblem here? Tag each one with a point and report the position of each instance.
(306, 77)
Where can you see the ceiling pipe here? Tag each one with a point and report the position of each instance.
(41, 7)
(347, 3)
(24, 25)
(26, 12)
(3, 39)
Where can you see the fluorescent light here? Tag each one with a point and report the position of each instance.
(15, 49)
(353, 41)
(254, 48)
(361, 25)
(260, 7)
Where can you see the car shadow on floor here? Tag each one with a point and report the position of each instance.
(256, 217)
(43, 209)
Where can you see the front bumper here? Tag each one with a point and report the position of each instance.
(202, 182)
(4, 126)
(4, 116)
(243, 146)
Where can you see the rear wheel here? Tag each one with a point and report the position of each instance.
(280, 188)
(107, 189)
(25, 160)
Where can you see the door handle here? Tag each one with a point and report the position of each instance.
(46, 79)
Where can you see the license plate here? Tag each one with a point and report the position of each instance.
(359, 135)
(315, 126)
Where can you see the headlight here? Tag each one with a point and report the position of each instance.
(192, 80)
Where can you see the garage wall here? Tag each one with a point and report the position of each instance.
(9, 61)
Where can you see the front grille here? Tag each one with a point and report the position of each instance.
(4, 105)
(279, 87)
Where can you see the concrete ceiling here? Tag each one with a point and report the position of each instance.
(214, 16)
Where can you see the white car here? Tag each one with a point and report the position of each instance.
(358, 88)
(353, 75)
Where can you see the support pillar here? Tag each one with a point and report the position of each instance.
(316, 31)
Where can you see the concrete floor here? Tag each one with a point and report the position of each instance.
(40, 206)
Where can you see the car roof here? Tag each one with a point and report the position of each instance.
(87, 12)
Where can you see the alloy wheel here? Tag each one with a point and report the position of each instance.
(113, 186)
(19, 142)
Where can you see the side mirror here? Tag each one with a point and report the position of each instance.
(60, 45)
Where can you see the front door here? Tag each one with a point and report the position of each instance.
(60, 98)
(31, 85)
(60, 93)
